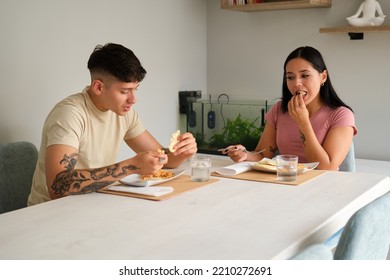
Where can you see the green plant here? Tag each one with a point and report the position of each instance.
(199, 139)
(238, 131)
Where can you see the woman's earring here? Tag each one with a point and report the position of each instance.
(322, 84)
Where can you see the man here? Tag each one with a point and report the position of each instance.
(82, 134)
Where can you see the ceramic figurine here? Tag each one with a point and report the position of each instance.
(369, 18)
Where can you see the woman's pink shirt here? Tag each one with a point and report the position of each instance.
(288, 139)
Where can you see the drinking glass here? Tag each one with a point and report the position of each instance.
(200, 168)
(286, 167)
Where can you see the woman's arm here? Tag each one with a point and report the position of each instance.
(335, 146)
(267, 142)
(334, 149)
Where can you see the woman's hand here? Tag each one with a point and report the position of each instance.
(297, 109)
(236, 152)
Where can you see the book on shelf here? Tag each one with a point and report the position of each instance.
(246, 2)
(243, 2)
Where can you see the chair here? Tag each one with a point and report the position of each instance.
(366, 236)
(17, 165)
(315, 252)
(348, 163)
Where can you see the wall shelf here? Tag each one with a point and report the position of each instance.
(275, 5)
(355, 33)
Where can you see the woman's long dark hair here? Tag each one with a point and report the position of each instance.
(327, 93)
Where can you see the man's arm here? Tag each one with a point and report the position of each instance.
(184, 149)
(63, 179)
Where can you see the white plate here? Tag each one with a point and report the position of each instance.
(135, 179)
(272, 168)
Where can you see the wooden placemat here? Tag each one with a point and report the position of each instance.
(254, 175)
(180, 185)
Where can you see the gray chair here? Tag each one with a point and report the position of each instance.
(366, 236)
(348, 163)
(17, 166)
(314, 252)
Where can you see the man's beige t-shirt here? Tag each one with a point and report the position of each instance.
(97, 135)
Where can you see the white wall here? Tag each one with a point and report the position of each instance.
(45, 45)
(246, 52)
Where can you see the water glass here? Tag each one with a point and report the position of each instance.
(200, 168)
(286, 168)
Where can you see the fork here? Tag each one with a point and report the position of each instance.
(244, 150)
(253, 152)
(166, 150)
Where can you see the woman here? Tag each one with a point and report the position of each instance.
(310, 121)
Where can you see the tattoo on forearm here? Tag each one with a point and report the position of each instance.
(303, 138)
(273, 150)
(100, 173)
(85, 181)
(69, 161)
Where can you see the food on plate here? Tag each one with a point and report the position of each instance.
(270, 162)
(269, 165)
(266, 162)
(158, 175)
(173, 141)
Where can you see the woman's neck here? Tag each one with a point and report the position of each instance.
(314, 106)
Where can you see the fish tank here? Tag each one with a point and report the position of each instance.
(218, 123)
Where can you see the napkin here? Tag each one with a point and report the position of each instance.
(150, 191)
(235, 169)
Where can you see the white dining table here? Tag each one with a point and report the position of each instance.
(227, 220)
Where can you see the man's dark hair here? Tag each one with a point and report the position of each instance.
(117, 61)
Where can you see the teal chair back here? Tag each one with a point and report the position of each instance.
(366, 236)
(17, 166)
(314, 252)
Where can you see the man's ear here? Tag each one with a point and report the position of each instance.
(97, 86)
